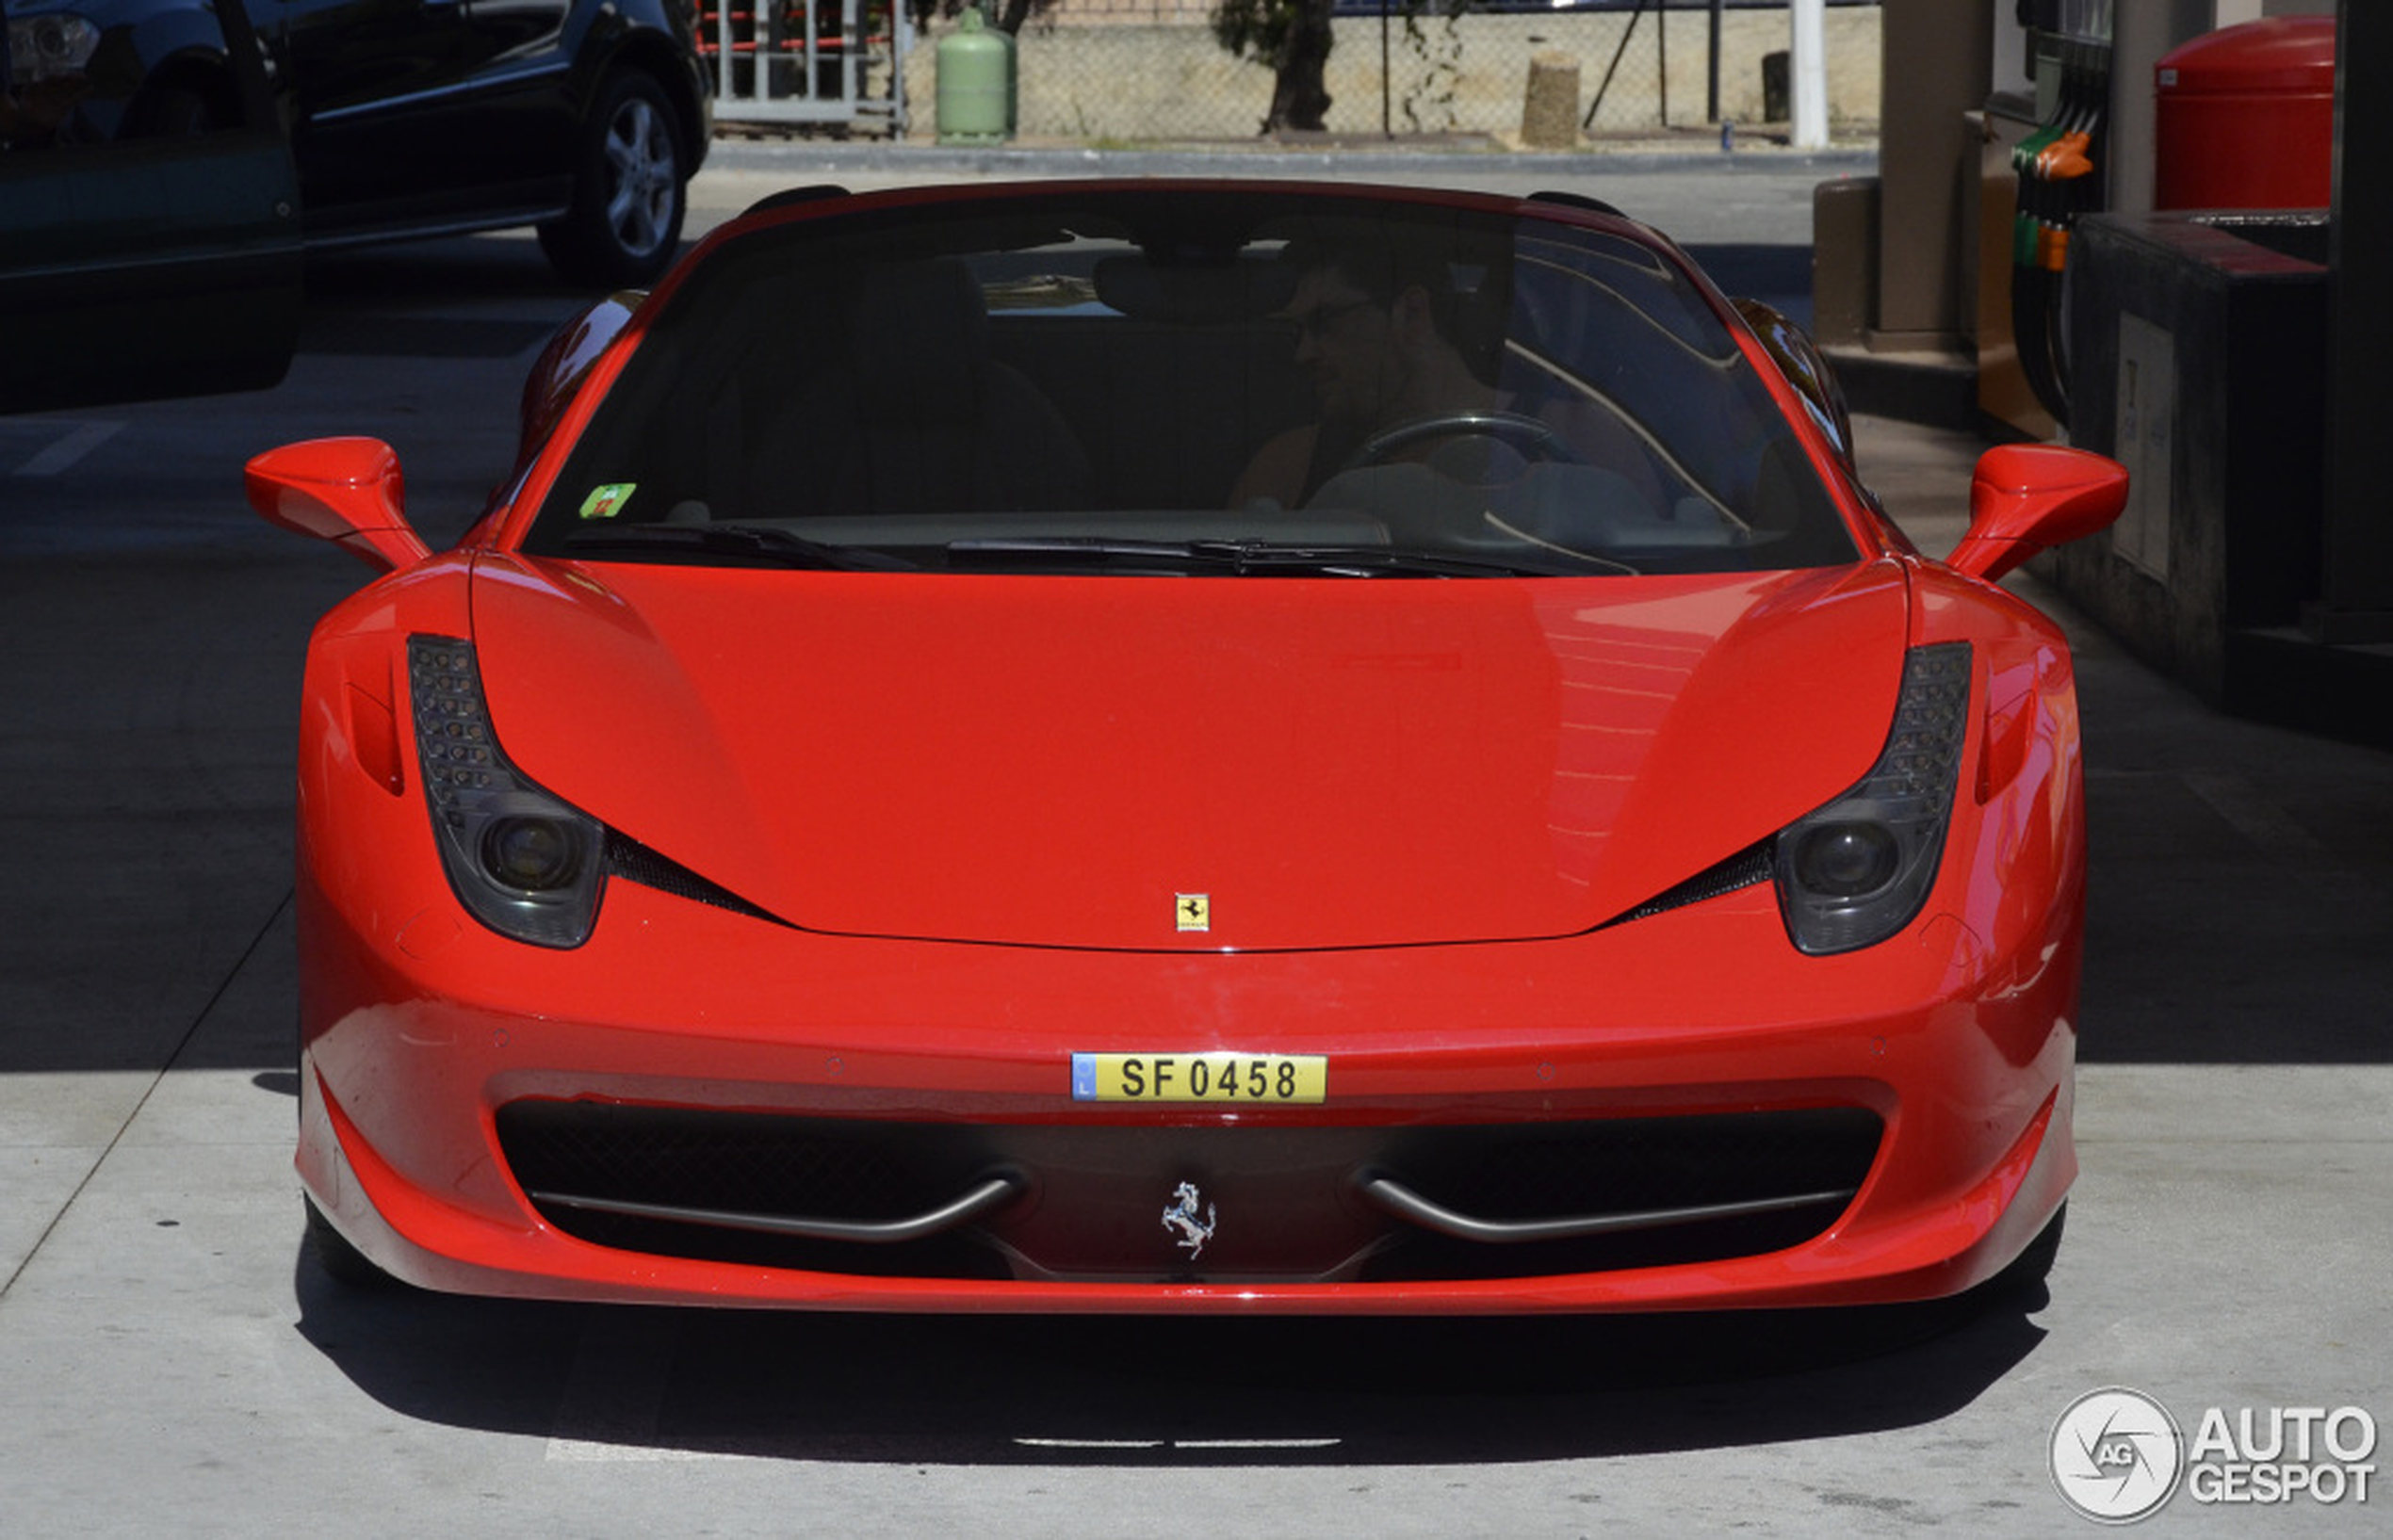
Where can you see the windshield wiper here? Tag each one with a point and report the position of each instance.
(755, 545)
(1239, 558)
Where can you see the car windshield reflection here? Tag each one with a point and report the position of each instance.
(1128, 382)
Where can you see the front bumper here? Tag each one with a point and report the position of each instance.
(1620, 1072)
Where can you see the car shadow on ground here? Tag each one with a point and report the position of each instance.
(503, 265)
(624, 1382)
(2238, 900)
(469, 297)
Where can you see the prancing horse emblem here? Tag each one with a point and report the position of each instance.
(1182, 1216)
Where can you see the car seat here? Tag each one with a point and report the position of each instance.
(915, 416)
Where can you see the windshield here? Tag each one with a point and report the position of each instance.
(1191, 382)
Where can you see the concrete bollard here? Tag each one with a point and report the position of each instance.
(1550, 110)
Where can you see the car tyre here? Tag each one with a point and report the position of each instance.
(342, 1262)
(630, 189)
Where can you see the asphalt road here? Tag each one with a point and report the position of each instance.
(170, 1363)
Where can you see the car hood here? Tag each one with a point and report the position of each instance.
(1066, 761)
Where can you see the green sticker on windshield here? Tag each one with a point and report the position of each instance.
(607, 501)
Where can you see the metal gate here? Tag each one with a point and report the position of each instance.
(838, 64)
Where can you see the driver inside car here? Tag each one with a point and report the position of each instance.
(1386, 341)
(1374, 338)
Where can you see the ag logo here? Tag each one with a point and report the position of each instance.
(2117, 1455)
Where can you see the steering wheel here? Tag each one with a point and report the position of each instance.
(1530, 434)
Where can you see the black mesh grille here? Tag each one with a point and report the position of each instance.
(1093, 1194)
(1528, 1171)
(741, 1164)
(708, 1160)
(1629, 1167)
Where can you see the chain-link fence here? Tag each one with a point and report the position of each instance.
(1102, 71)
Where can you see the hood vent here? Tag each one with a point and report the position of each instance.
(634, 862)
(1746, 867)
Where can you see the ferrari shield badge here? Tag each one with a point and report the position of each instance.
(1181, 1218)
(1193, 911)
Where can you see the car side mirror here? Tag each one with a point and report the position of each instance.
(345, 490)
(2027, 499)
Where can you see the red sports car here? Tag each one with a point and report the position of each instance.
(1187, 746)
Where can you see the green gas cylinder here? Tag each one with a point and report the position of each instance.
(975, 83)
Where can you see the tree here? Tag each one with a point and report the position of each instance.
(1293, 36)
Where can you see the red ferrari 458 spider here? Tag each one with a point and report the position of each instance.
(1187, 746)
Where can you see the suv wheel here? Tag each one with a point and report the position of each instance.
(629, 191)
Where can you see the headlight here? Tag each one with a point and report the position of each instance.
(48, 47)
(1857, 871)
(527, 865)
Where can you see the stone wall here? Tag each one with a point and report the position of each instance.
(1134, 81)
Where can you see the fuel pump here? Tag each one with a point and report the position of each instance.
(2060, 181)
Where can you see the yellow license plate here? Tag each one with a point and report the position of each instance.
(1225, 1080)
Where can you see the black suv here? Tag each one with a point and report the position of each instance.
(584, 118)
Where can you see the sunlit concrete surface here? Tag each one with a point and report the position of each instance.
(169, 1364)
